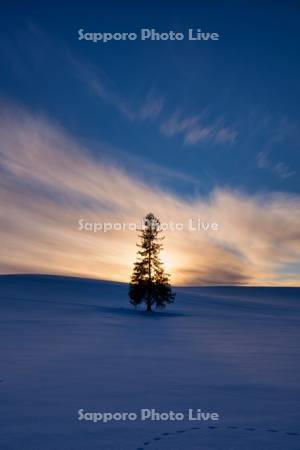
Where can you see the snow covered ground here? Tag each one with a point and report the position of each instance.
(68, 344)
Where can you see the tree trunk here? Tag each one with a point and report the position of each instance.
(149, 306)
(149, 309)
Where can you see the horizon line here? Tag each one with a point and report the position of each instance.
(102, 280)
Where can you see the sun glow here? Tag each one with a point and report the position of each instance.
(167, 260)
(51, 184)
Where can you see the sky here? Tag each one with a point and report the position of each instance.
(95, 132)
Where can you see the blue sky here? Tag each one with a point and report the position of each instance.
(189, 118)
(246, 83)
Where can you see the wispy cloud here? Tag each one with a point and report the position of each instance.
(195, 129)
(279, 168)
(49, 181)
(276, 133)
(145, 108)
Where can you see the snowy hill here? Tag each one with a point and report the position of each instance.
(71, 344)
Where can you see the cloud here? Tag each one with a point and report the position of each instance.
(148, 108)
(276, 134)
(193, 130)
(151, 107)
(280, 169)
(49, 182)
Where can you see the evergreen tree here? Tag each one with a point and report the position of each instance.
(149, 282)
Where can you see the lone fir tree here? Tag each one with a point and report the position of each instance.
(149, 282)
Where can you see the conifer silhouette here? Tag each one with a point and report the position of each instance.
(149, 282)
